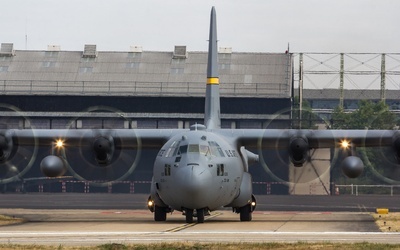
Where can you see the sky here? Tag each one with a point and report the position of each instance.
(348, 26)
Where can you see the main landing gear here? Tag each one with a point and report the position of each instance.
(160, 213)
(246, 212)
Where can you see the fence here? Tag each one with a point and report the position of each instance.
(65, 186)
(138, 88)
(268, 188)
(355, 189)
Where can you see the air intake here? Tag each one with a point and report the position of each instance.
(180, 52)
(89, 51)
(7, 49)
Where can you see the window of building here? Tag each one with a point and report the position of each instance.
(177, 71)
(224, 66)
(3, 68)
(48, 64)
(85, 69)
(132, 65)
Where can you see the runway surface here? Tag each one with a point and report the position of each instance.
(65, 222)
(340, 203)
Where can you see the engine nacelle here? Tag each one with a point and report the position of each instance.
(352, 166)
(103, 149)
(53, 166)
(248, 158)
(5, 148)
(298, 151)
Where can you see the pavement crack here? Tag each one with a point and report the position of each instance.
(284, 223)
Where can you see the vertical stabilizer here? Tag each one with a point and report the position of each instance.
(212, 115)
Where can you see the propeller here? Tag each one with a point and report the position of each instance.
(102, 157)
(295, 148)
(15, 161)
(383, 162)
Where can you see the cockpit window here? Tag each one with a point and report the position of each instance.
(216, 149)
(193, 148)
(202, 149)
(205, 150)
(173, 149)
(183, 149)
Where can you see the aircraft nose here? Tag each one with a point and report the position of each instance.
(194, 184)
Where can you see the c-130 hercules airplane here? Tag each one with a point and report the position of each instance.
(198, 170)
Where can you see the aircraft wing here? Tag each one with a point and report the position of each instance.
(111, 152)
(76, 137)
(282, 138)
(299, 142)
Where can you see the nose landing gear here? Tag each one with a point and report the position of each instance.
(190, 213)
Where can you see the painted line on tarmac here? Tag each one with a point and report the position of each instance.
(16, 234)
(185, 226)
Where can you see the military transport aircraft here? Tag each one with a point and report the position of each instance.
(200, 169)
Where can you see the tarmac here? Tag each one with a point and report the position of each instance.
(98, 219)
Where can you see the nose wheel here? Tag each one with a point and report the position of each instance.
(189, 213)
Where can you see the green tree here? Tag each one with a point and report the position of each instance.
(369, 115)
(380, 163)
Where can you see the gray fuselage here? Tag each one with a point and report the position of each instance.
(197, 169)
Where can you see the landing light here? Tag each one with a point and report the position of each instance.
(59, 144)
(150, 203)
(345, 144)
(253, 203)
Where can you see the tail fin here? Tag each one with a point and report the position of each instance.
(212, 117)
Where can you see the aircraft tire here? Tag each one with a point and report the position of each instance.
(245, 213)
(200, 215)
(160, 214)
(189, 215)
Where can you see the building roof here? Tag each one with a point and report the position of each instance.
(142, 73)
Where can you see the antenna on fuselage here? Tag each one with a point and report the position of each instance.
(212, 117)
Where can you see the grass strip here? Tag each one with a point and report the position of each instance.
(388, 222)
(218, 246)
(6, 220)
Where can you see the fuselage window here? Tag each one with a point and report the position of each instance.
(220, 170)
(167, 170)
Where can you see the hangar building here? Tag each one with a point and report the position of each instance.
(142, 89)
